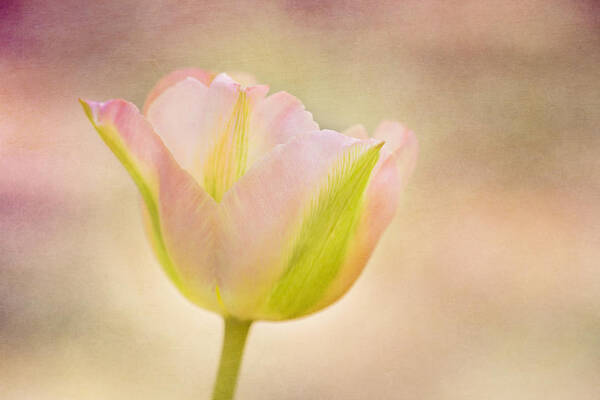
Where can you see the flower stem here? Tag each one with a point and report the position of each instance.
(234, 339)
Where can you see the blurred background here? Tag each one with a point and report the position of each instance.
(486, 285)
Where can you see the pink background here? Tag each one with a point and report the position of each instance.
(486, 286)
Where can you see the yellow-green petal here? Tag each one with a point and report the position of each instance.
(390, 175)
(263, 214)
(319, 248)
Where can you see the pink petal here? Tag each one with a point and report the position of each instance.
(260, 213)
(190, 117)
(401, 144)
(215, 131)
(176, 115)
(179, 215)
(214, 114)
(173, 78)
(275, 121)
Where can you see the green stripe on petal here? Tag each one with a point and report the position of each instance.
(320, 246)
(227, 161)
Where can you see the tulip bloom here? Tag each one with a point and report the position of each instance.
(253, 212)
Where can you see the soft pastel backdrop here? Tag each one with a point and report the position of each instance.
(486, 286)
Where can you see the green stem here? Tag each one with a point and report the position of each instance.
(234, 339)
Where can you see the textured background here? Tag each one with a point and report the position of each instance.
(486, 286)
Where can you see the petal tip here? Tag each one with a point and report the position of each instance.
(395, 135)
(89, 109)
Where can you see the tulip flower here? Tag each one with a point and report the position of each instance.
(253, 211)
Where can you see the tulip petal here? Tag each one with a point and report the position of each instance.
(287, 222)
(173, 78)
(176, 115)
(222, 159)
(179, 215)
(322, 244)
(206, 128)
(275, 121)
(401, 144)
(383, 194)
